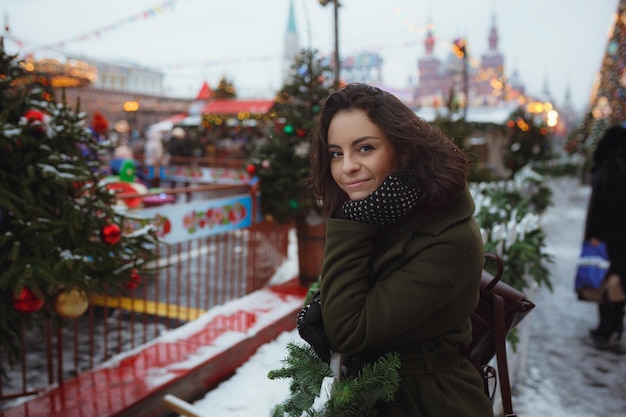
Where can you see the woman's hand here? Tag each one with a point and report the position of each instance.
(311, 328)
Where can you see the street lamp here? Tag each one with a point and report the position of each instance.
(336, 68)
(131, 107)
(459, 47)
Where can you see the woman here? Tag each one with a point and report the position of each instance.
(404, 255)
(606, 221)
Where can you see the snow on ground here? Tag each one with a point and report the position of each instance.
(565, 375)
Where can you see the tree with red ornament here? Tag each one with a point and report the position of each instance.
(61, 236)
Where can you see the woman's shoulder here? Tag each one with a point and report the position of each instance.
(435, 219)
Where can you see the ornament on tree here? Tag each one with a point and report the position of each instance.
(251, 169)
(26, 301)
(288, 129)
(71, 303)
(111, 234)
(33, 115)
(37, 119)
(134, 281)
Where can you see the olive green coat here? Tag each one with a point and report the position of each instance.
(410, 288)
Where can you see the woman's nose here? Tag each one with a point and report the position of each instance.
(350, 164)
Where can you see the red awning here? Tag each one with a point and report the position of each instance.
(238, 106)
(205, 92)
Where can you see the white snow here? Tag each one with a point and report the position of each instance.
(564, 374)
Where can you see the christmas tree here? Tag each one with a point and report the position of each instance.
(282, 164)
(528, 141)
(225, 90)
(61, 236)
(607, 106)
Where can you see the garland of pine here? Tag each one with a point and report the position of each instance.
(352, 396)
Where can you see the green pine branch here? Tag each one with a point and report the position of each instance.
(352, 396)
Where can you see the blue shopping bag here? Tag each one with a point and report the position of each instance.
(593, 264)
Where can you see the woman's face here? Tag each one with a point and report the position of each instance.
(361, 156)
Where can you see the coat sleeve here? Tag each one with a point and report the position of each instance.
(598, 218)
(431, 289)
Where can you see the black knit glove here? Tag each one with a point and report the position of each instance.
(311, 328)
(396, 197)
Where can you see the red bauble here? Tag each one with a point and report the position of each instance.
(134, 280)
(36, 116)
(251, 169)
(33, 115)
(26, 301)
(111, 234)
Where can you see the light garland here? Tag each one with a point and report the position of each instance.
(145, 14)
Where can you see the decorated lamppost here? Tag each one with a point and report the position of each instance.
(459, 47)
(336, 67)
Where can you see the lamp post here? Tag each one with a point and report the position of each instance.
(336, 68)
(130, 108)
(460, 50)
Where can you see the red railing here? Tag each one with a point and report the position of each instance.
(197, 275)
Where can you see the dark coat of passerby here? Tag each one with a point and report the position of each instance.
(180, 144)
(606, 222)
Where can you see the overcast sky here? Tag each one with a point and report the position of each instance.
(558, 43)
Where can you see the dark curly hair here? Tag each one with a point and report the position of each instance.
(440, 166)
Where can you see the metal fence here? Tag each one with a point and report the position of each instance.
(197, 275)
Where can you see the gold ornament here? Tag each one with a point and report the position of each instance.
(71, 303)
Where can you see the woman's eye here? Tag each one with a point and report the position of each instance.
(335, 154)
(365, 148)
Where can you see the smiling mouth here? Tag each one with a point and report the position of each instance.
(355, 184)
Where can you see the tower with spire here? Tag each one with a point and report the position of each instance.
(433, 80)
(487, 84)
(291, 45)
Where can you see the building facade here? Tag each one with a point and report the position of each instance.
(127, 93)
(483, 80)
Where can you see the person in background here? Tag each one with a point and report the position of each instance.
(404, 256)
(153, 156)
(137, 143)
(606, 221)
(122, 150)
(153, 149)
(180, 144)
